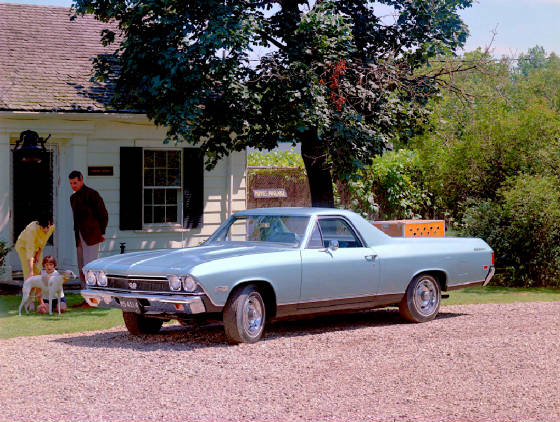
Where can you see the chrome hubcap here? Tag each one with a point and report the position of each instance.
(253, 314)
(426, 297)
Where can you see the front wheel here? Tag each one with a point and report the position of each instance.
(245, 315)
(422, 299)
(138, 324)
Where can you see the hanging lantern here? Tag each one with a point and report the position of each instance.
(30, 148)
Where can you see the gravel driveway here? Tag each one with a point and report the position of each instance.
(475, 363)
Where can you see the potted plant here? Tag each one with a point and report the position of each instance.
(5, 270)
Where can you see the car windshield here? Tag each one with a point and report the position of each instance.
(262, 228)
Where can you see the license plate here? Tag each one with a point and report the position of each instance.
(130, 305)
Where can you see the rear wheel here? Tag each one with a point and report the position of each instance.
(138, 324)
(245, 315)
(422, 299)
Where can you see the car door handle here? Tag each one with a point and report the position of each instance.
(370, 257)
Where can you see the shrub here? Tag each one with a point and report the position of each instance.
(523, 227)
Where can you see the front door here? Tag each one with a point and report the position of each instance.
(349, 271)
(32, 194)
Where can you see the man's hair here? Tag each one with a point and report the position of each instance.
(44, 220)
(75, 174)
(49, 259)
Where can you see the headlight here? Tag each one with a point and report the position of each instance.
(90, 278)
(101, 279)
(189, 284)
(174, 283)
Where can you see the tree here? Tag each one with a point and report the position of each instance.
(338, 76)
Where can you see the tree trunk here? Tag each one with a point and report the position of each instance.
(314, 155)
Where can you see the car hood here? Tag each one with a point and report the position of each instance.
(177, 261)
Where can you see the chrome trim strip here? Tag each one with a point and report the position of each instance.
(489, 276)
(465, 285)
(371, 296)
(195, 303)
(149, 292)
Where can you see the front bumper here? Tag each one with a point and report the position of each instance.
(489, 276)
(150, 303)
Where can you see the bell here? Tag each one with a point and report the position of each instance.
(30, 151)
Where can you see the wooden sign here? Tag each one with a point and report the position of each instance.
(100, 170)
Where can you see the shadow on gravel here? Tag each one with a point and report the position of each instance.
(177, 337)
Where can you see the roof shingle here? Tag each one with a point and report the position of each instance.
(46, 60)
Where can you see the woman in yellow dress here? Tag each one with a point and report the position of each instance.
(29, 247)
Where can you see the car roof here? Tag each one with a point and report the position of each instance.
(295, 211)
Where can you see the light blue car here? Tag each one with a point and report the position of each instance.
(271, 263)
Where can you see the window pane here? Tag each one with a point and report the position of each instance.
(148, 215)
(160, 177)
(174, 177)
(170, 196)
(159, 214)
(148, 196)
(148, 159)
(159, 196)
(173, 159)
(171, 214)
(338, 229)
(316, 241)
(160, 159)
(265, 228)
(148, 177)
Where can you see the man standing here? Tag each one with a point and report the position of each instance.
(90, 221)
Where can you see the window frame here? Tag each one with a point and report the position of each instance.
(178, 222)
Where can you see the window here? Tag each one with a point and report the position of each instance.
(338, 229)
(162, 186)
(263, 228)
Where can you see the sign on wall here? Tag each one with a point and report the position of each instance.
(100, 170)
(270, 193)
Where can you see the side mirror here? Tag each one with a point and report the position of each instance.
(333, 245)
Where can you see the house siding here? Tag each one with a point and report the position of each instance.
(83, 140)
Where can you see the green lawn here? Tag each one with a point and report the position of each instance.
(34, 324)
(491, 294)
(77, 319)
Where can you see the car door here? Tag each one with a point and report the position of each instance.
(348, 271)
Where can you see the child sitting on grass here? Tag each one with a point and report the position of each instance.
(49, 265)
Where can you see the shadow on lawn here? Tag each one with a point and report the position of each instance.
(177, 337)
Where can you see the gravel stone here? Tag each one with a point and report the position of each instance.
(474, 362)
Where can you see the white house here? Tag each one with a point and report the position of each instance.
(157, 195)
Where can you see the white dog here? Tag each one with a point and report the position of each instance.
(51, 284)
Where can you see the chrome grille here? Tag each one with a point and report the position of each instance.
(150, 284)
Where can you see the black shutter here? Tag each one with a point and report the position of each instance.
(193, 187)
(131, 189)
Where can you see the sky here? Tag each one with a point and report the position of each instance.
(519, 24)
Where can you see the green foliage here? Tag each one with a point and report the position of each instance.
(337, 76)
(275, 159)
(4, 250)
(491, 162)
(390, 188)
(523, 227)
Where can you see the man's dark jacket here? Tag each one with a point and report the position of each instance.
(90, 215)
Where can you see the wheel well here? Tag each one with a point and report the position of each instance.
(269, 296)
(440, 276)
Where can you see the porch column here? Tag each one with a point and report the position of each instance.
(73, 156)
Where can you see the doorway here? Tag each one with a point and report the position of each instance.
(33, 193)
